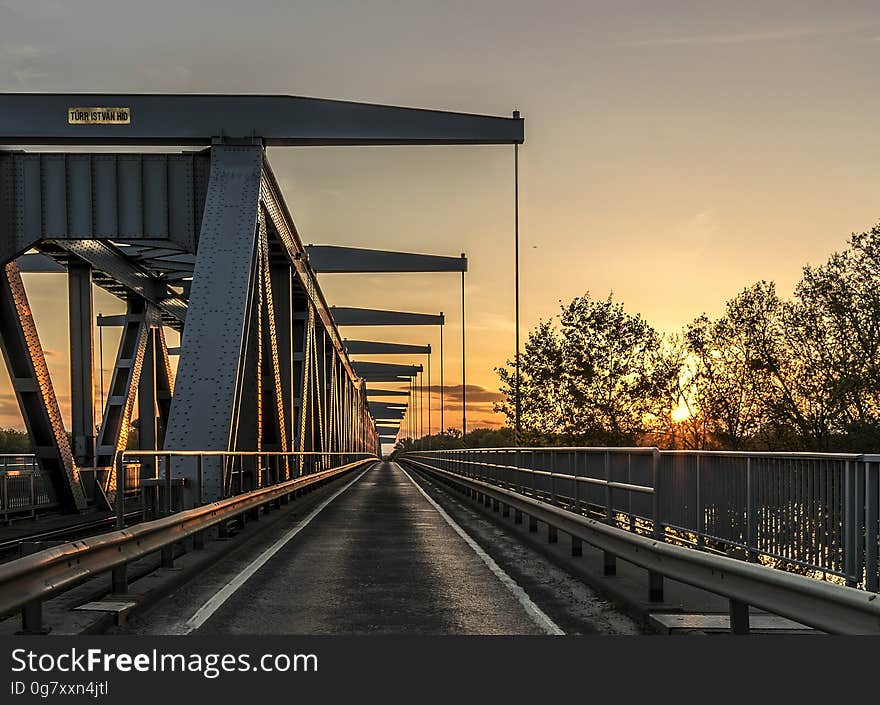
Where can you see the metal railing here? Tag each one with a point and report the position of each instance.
(816, 514)
(28, 581)
(23, 488)
(151, 472)
(610, 497)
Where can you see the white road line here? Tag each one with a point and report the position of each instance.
(538, 616)
(204, 612)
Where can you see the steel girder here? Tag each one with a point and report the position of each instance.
(368, 347)
(282, 288)
(367, 368)
(332, 259)
(116, 423)
(384, 377)
(273, 412)
(348, 316)
(82, 369)
(387, 393)
(154, 200)
(33, 388)
(36, 263)
(178, 119)
(207, 398)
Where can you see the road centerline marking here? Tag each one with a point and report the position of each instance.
(537, 615)
(204, 613)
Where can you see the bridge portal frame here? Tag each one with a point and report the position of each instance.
(201, 242)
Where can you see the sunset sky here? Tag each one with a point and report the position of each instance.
(675, 151)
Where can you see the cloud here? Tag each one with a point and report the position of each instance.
(10, 415)
(771, 35)
(475, 393)
(25, 63)
(39, 9)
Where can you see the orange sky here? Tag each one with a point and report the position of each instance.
(675, 151)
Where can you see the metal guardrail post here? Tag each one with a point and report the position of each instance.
(739, 617)
(168, 551)
(860, 518)
(655, 580)
(200, 475)
(701, 514)
(609, 560)
(119, 575)
(32, 612)
(199, 538)
(751, 514)
(849, 525)
(872, 517)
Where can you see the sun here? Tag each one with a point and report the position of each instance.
(681, 412)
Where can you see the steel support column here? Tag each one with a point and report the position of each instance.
(82, 362)
(203, 409)
(116, 422)
(148, 408)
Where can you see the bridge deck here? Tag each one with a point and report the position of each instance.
(378, 559)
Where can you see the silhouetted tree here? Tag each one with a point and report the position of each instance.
(798, 374)
(602, 377)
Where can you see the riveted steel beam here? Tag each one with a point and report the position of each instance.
(148, 199)
(274, 412)
(387, 393)
(281, 276)
(30, 379)
(204, 407)
(124, 278)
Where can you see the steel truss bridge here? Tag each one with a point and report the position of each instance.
(267, 404)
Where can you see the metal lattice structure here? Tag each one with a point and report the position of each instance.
(200, 242)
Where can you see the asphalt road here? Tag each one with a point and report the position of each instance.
(383, 556)
(378, 559)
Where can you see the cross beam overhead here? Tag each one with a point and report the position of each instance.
(368, 347)
(177, 119)
(348, 316)
(331, 259)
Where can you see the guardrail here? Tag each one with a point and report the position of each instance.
(151, 472)
(633, 493)
(28, 581)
